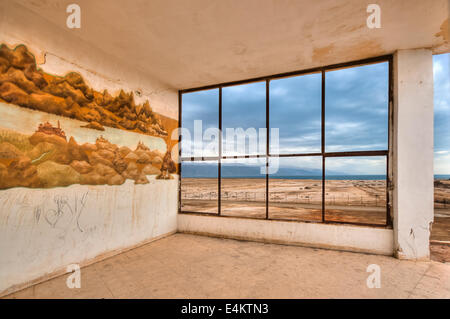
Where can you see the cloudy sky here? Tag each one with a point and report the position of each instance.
(441, 70)
(356, 117)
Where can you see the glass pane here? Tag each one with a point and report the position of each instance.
(244, 119)
(200, 116)
(295, 110)
(441, 225)
(243, 188)
(356, 108)
(441, 78)
(355, 189)
(199, 187)
(295, 188)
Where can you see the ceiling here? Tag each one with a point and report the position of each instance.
(195, 43)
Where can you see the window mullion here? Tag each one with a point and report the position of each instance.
(323, 144)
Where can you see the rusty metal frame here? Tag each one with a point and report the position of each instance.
(180, 102)
(267, 145)
(387, 153)
(219, 161)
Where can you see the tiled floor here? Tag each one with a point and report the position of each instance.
(187, 266)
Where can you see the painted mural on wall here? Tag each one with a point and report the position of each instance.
(50, 156)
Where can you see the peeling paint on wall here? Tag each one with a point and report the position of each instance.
(444, 30)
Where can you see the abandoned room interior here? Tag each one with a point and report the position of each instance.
(224, 149)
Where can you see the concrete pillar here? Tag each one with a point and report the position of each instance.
(413, 153)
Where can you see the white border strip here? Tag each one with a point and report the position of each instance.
(332, 236)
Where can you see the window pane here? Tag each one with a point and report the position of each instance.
(295, 109)
(243, 188)
(295, 188)
(243, 115)
(355, 189)
(199, 187)
(200, 116)
(356, 108)
(441, 78)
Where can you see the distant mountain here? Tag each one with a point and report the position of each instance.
(289, 171)
(207, 170)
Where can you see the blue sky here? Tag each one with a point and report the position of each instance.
(356, 114)
(441, 70)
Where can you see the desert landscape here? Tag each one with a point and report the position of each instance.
(441, 225)
(361, 201)
(358, 201)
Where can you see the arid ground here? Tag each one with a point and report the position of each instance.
(360, 201)
(441, 225)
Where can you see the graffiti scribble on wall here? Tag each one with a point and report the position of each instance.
(23, 84)
(47, 159)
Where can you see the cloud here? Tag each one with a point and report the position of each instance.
(437, 67)
(442, 164)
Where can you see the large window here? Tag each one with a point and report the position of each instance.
(308, 146)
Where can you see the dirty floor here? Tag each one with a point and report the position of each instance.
(188, 266)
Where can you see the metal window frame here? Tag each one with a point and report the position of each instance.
(387, 153)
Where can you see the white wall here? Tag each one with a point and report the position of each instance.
(413, 152)
(44, 230)
(342, 237)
